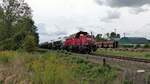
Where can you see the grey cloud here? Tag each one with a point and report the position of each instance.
(148, 25)
(111, 15)
(124, 3)
(138, 10)
(99, 2)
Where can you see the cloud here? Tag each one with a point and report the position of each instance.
(143, 31)
(138, 10)
(134, 6)
(124, 3)
(99, 2)
(46, 36)
(111, 15)
(148, 25)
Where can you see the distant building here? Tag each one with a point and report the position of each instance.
(133, 40)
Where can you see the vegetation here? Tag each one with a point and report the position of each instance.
(99, 37)
(29, 43)
(107, 36)
(127, 46)
(136, 46)
(145, 55)
(146, 46)
(51, 67)
(15, 24)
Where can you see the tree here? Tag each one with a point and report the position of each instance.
(99, 37)
(29, 43)
(118, 36)
(108, 35)
(114, 35)
(16, 23)
(13, 12)
(1, 24)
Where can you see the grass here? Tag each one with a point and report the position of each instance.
(145, 55)
(5, 57)
(52, 68)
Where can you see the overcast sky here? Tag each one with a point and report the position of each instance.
(59, 18)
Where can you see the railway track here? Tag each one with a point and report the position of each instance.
(93, 55)
(123, 58)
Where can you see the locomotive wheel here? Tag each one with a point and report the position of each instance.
(84, 50)
(89, 51)
(94, 48)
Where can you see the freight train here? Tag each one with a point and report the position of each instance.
(81, 42)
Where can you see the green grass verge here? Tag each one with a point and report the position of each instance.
(145, 55)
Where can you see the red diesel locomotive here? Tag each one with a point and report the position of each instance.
(81, 42)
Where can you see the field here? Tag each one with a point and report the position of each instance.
(18, 67)
(113, 52)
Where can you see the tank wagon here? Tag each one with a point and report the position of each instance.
(80, 42)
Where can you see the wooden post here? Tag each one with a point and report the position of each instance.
(104, 62)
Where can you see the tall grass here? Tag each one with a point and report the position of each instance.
(6, 56)
(57, 68)
(47, 69)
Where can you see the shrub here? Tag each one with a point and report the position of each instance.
(147, 55)
(146, 46)
(137, 46)
(127, 82)
(148, 82)
(29, 44)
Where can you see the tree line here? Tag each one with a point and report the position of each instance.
(17, 29)
(107, 36)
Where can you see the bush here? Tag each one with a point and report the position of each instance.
(147, 55)
(29, 44)
(148, 82)
(137, 46)
(146, 46)
(127, 82)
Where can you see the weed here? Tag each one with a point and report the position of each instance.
(6, 56)
(147, 55)
(127, 82)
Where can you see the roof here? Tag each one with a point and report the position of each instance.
(133, 40)
(79, 33)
